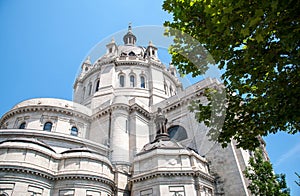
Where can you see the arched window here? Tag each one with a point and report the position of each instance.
(90, 89)
(177, 133)
(131, 53)
(22, 126)
(83, 93)
(122, 81)
(47, 126)
(143, 85)
(171, 90)
(74, 131)
(97, 85)
(132, 81)
(165, 87)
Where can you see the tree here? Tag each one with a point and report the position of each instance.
(297, 182)
(257, 45)
(262, 179)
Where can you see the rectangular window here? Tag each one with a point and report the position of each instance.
(207, 191)
(132, 82)
(122, 81)
(92, 193)
(177, 190)
(7, 188)
(147, 192)
(67, 192)
(35, 191)
(143, 82)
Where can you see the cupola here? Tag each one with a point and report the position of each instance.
(129, 38)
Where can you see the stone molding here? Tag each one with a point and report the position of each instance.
(29, 133)
(26, 109)
(156, 174)
(132, 108)
(20, 169)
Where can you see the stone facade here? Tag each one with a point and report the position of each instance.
(105, 141)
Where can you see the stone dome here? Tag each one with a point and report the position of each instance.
(128, 50)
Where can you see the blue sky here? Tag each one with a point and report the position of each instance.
(42, 44)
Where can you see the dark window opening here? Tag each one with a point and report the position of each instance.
(122, 81)
(74, 131)
(22, 126)
(132, 81)
(97, 85)
(47, 126)
(177, 133)
(131, 53)
(143, 82)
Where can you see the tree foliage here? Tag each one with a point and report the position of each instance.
(257, 45)
(297, 182)
(262, 179)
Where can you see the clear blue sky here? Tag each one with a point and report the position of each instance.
(42, 44)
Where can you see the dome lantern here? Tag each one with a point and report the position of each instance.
(129, 38)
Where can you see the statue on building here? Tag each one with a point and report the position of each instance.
(161, 128)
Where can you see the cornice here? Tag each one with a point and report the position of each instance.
(89, 73)
(101, 112)
(192, 93)
(139, 109)
(157, 174)
(182, 101)
(54, 177)
(47, 108)
(38, 134)
(132, 62)
(130, 109)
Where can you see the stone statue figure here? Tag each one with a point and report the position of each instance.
(161, 122)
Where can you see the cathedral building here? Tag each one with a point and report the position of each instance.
(128, 131)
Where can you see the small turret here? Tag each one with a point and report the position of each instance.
(112, 48)
(172, 69)
(151, 50)
(86, 65)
